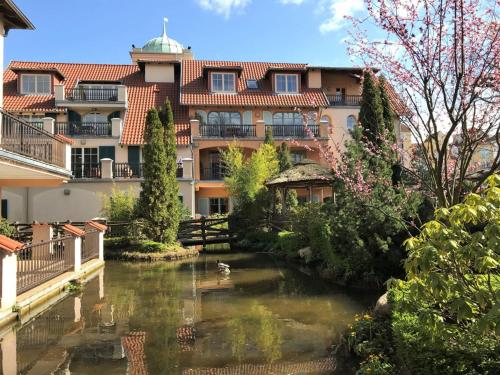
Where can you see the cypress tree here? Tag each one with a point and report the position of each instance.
(172, 187)
(268, 140)
(387, 112)
(153, 204)
(371, 115)
(284, 157)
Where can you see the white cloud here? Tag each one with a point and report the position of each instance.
(339, 9)
(224, 7)
(296, 2)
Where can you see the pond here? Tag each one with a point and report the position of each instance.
(265, 317)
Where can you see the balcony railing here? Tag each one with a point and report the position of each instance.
(344, 100)
(213, 173)
(86, 170)
(227, 131)
(87, 94)
(90, 129)
(128, 170)
(29, 140)
(294, 131)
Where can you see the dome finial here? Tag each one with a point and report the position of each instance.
(165, 21)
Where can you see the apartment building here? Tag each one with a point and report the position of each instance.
(29, 155)
(101, 108)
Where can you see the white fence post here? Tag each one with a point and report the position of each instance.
(74, 244)
(8, 271)
(95, 235)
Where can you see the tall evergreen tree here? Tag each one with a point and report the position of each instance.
(172, 188)
(284, 157)
(153, 201)
(387, 111)
(371, 115)
(268, 140)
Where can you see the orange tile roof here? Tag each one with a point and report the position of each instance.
(141, 95)
(64, 139)
(10, 245)
(195, 89)
(75, 231)
(100, 227)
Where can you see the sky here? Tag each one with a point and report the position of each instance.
(103, 31)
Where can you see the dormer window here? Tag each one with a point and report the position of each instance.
(223, 82)
(287, 83)
(35, 84)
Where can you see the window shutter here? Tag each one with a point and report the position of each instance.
(115, 114)
(107, 152)
(74, 116)
(5, 209)
(268, 117)
(203, 208)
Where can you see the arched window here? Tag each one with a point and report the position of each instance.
(325, 119)
(287, 118)
(351, 122)
(224, 118)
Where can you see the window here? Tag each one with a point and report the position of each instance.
(36, 120)
(85, 162)
(223, 82)
(298, 156)
(35, 84)
(351, 122)
(287, 118)
(325, 119)
(224, 118)
(218, 206)
(252, 84)
(287, 83)
(94, 117)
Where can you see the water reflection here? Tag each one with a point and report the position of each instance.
(185, 318)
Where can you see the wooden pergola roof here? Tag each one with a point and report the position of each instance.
(306, 173)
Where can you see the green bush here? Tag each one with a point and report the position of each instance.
(289, 243)
(120, 206)
(376, 365)
(6, 229)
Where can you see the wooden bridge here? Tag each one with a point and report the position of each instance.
(204, 231)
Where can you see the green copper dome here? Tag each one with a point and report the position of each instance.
(163, 44)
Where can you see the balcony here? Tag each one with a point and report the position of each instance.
(344, 100)
(83, 129)
(214, 173)
(31, 141)
(119, 170)
(95, 97)
(227, 131)
(294, 131)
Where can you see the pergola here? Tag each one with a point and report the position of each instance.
(306, 174)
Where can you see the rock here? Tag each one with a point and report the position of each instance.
(382, 307)
(305, 252)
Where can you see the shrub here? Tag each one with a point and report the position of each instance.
(120, 206)
(376, 365)
(6, 229)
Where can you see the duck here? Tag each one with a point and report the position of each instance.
(223, 268)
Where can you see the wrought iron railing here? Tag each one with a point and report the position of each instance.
(83, 94)
(89, 251)
(213, 173)
(294, 131)
(227, 131)
(128, 170)
(86, 170)
(41, 262)
(29, 140)
(98, 129)
(346, 100)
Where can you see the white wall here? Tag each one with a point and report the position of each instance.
(159, 73)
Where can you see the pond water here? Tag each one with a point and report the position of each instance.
(184, 318)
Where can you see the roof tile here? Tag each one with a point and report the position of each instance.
(10, 245)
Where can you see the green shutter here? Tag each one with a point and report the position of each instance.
(5, 206)
(74, 116)
(115, 114)
(134, 154)
(107, 152)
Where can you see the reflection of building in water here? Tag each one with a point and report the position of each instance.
(320, 366)
(133, 344)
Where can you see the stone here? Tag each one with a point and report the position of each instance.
(382, 307)
(305, 252)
